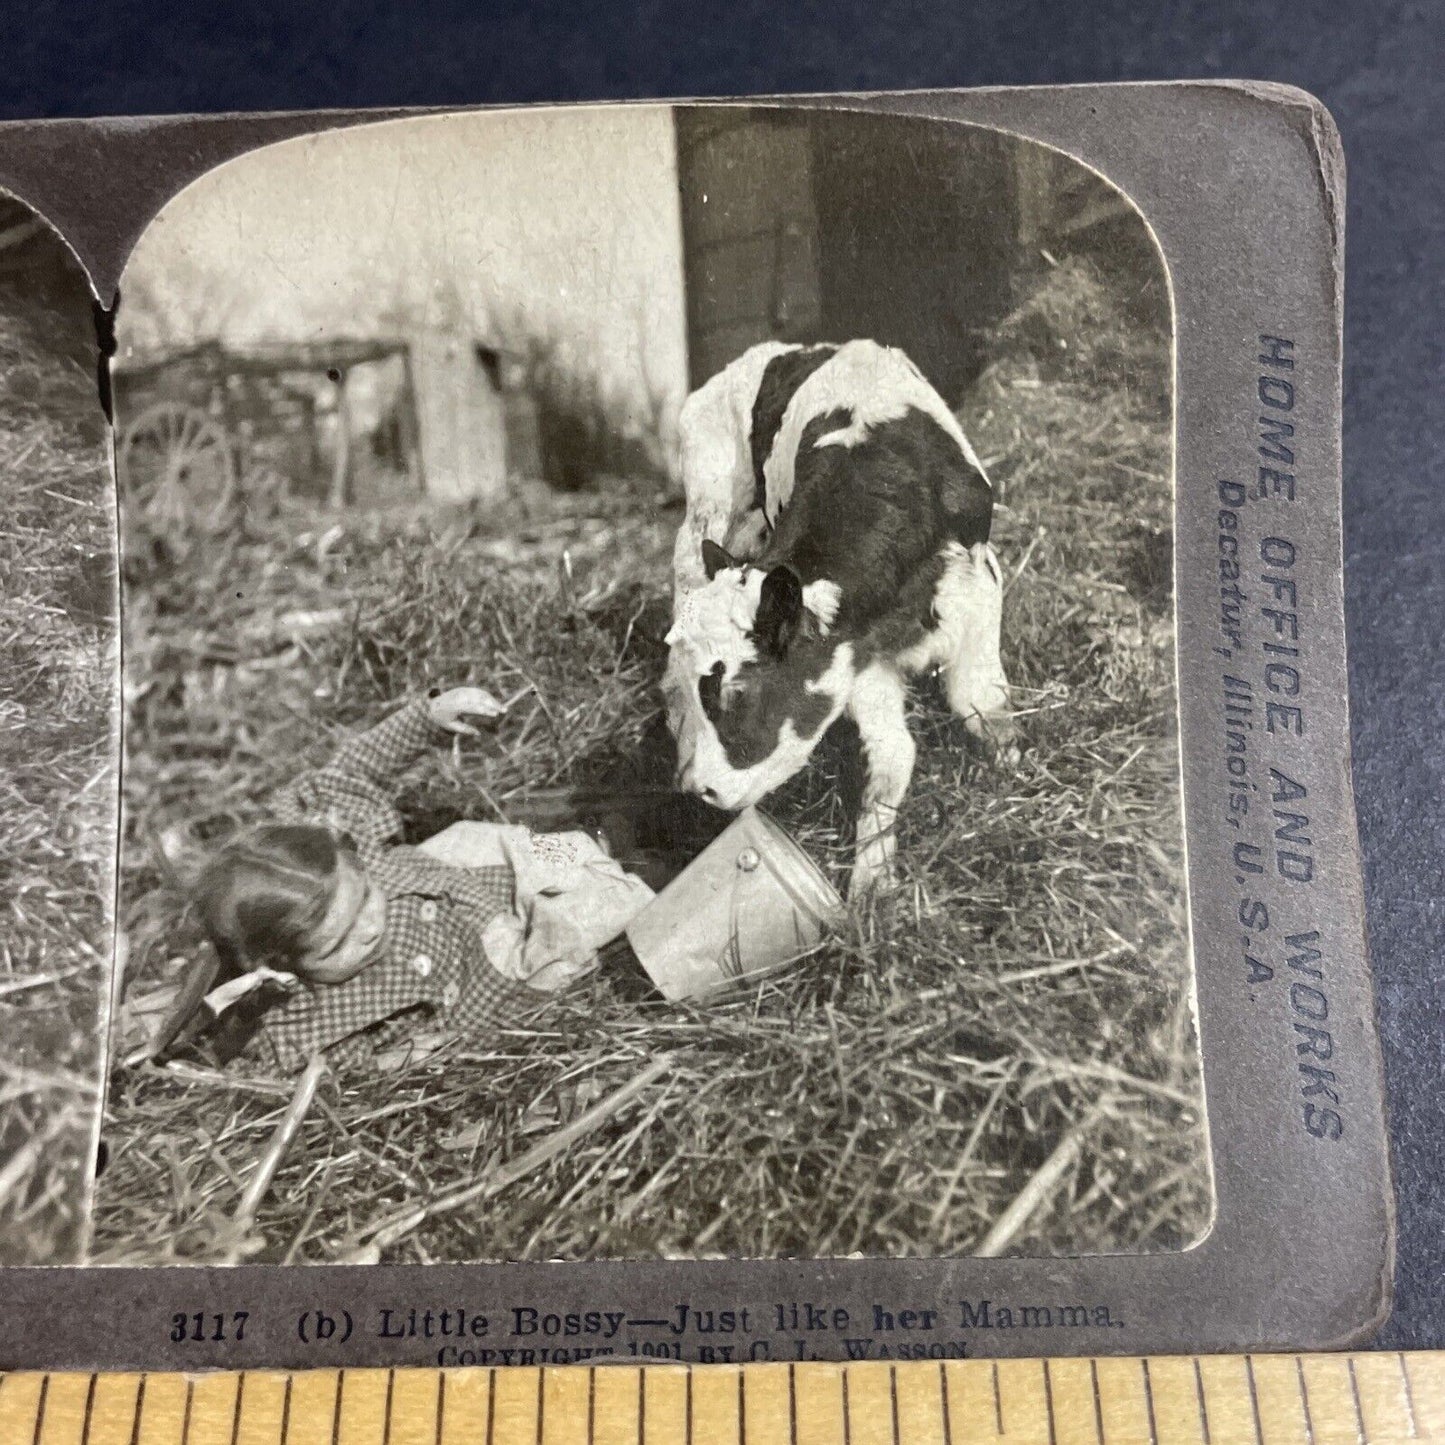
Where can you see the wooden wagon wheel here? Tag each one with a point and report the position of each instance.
(177, 466)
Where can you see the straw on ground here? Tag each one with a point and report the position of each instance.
(1014, 1028)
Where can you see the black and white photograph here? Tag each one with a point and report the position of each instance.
(651, 706)
(59, 708)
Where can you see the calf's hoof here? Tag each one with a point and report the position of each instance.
(998, 737)
(871, 876)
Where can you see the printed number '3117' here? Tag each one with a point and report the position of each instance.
(201, 1328)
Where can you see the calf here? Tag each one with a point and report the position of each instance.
(835, 542)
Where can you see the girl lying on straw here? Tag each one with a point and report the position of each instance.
(369, 950)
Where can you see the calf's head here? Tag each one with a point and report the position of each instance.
(753, 678)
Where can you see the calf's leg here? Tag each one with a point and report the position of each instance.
(876, 703)
(969, 607)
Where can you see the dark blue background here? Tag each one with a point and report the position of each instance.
(1379, 66)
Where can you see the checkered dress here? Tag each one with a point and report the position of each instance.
(434, 972)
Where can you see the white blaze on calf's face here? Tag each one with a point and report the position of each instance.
(713, 622)
(711, 645)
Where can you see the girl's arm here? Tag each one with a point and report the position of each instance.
(353, 791)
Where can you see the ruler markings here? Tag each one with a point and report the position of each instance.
(89, 1410)
(262, 1418)
(818, 1406)
(1409, 1395)
(1277, 1400)
(1355, 1396)
(1253, 1398)
(1332, 1409)
(920, 1406)
(211, 1401)
(963, 1401)
(412, 1401)
(163, 1410)
(716, 1406)
(616, 1406)
(40, 1409)
(765, 1393)
(1125, 1417)
(359, 1417)
(1385, 1412)
(1226, 1399)
(312, 1407)
(464, 1412)
(65, 1400)
(1363, 1399)
(665, 1407)
(1304, 1399)
(870, 1415)
(19, 1400)
(515, 1395)
(1027, 1400)
(140, 1397)
(1427, 1389)
(1174, 1400)
(562, 1407)
(1071, 1402)
(1199, 1392)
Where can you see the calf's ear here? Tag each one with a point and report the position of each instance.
(780, 611)
(716, 559)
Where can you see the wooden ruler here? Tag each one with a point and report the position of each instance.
(1205, 1400)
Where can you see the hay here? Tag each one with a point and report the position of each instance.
(1019, 1009)
(57, 691)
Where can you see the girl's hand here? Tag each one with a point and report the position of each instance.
(449, 708)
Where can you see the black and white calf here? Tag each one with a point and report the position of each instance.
(835, 542)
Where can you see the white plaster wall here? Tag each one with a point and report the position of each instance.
(554, 222)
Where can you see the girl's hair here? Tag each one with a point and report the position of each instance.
(262, 897)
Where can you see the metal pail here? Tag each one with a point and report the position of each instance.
(750, 900)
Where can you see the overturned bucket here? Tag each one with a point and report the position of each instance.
(750, 900)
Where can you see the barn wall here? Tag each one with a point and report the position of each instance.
(751, 232)
(809, 226)
(540, 226)
(917, 239)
